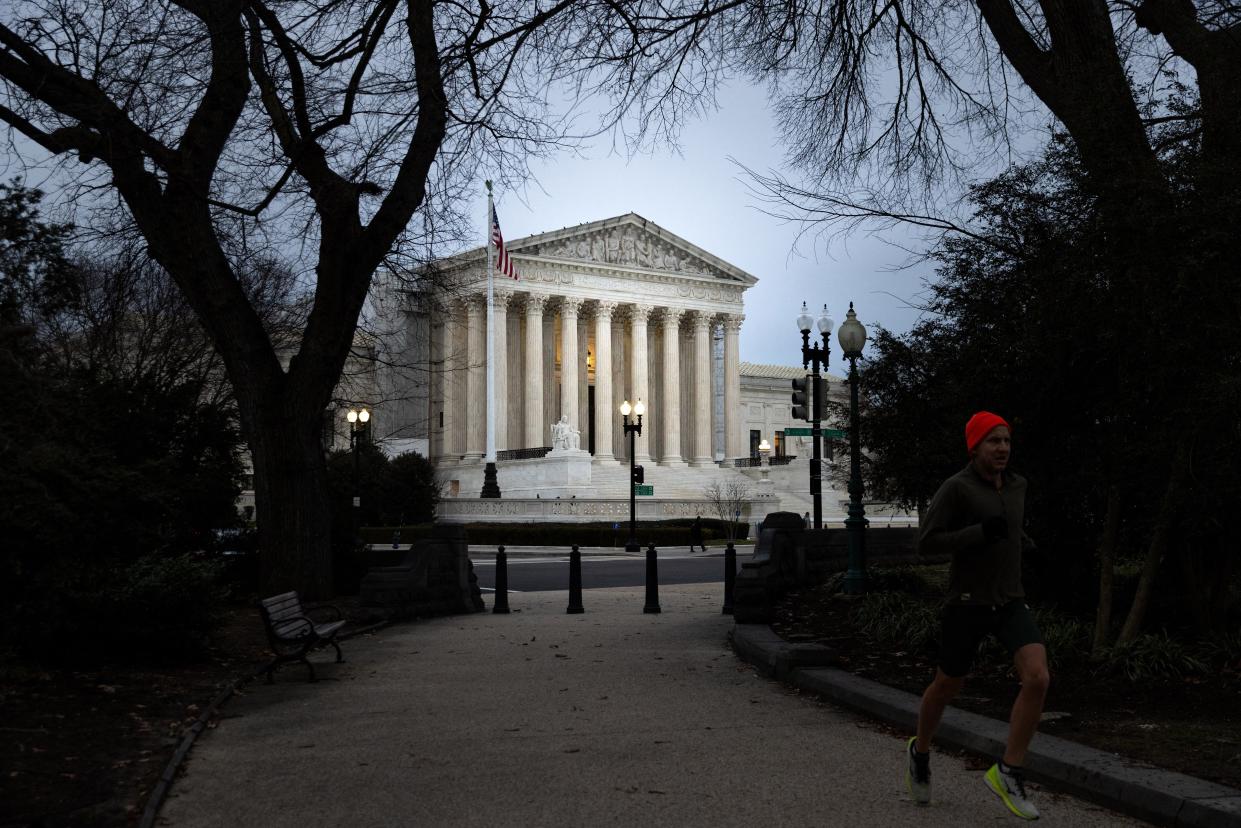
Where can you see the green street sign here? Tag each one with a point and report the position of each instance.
(829, 433)
(644, 490)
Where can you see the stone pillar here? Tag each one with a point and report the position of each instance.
(604, 405)
(499, 343)
(702, 391)
(670, 410)
(568, 361)
(476, 378)
(448, 444)
(734, 442)
(638, 385)
(536, 424)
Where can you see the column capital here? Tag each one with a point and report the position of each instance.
(535, 302)
(605, 308)
(732, 322)
(570, 305)
(474, 302)
(671, 317)
(700, 319)
(640, 312)
(502, 296)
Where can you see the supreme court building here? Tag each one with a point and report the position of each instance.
(613, 310)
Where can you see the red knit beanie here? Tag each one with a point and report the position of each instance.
(979, 426)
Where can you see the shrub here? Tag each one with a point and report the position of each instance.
(898, 579)
(894, 618)
(1067, 639)
(1155, 656)
(159, 608)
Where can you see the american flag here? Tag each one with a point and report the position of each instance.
(503, 263)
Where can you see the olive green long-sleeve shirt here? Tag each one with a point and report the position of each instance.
(982, 572)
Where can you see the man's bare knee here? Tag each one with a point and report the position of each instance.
(944, 688)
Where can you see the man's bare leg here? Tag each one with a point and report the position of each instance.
(941, 691)
(1031, 664)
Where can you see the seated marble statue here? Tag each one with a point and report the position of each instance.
(564, 436)
(560, 434)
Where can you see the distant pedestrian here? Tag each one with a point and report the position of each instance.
(695, 534)
(977, 516)
(809, 524)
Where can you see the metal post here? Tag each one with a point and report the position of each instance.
(816, 458)
(575, 582)
(501, 602)
(357, 499)
(730, 577)
(652, 580)
(855, 524)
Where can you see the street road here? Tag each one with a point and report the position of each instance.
(544, 574)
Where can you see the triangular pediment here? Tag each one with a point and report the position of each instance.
(627, 241)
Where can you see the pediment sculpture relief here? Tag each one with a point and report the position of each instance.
(626, 246)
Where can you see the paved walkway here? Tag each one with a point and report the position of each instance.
(539, 718)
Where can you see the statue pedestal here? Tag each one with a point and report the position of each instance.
(562, 473)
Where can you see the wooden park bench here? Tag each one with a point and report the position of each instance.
(292, 633)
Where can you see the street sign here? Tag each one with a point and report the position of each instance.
(829, 433)
(644, 490)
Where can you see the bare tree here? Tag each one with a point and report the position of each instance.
(355, 128)
(728, 498)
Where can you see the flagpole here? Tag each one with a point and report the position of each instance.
(491, 487)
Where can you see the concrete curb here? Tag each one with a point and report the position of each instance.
(1158, 796)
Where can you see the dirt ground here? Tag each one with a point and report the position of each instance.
(1192, 726)
(86, 748)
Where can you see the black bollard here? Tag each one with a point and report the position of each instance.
(501, 602)
(730, 577)
(575, 582)
(652, 580)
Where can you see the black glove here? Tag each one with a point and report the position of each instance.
(995, 528)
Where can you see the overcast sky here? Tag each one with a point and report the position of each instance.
(701, 196)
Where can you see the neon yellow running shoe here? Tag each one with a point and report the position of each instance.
(918, 775)
(1010, 787)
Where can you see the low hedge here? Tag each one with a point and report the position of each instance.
(661, 533)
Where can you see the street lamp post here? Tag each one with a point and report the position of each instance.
(814, 355)
(633, 430)
(357, 418)
(852, 337)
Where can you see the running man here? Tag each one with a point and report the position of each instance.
(977, 517)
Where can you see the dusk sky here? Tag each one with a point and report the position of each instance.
(701, 196)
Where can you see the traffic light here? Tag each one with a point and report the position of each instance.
(639, 475)
(801, 399)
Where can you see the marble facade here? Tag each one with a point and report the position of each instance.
(606, 311)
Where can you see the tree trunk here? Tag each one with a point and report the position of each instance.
(1107, 557)
(292, 508)
(1158, 546)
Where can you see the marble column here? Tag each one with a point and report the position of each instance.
(569, 307)
(670, 411)
(734, 442)
(449, 449)
(499, 345)
(702, 390)
(638, 385)
(536, 425)
(604, 407)
(476, 378)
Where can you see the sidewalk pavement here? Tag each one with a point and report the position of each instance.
(538, 718)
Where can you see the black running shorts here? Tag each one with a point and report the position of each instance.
(965, 626)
